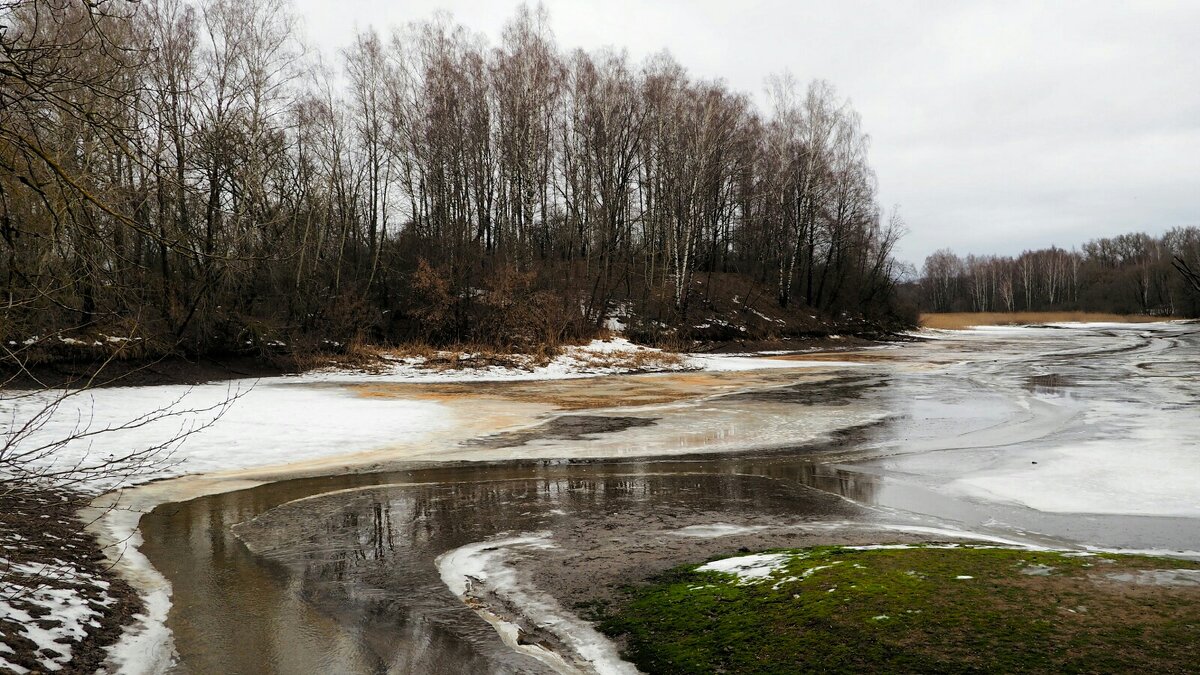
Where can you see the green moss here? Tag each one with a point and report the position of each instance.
(889, 610)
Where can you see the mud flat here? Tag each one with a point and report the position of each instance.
(526, 544)
(482, 543)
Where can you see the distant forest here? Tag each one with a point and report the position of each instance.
(187, 173)
(1128, 274)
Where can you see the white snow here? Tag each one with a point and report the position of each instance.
(145, 646)
(599, 357)
(813, 570)
(764, 317)
(752, 568)
(63, 605)
(485, 570)
(273, 421)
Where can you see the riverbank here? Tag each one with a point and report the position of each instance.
(964, 320)
(906, 608)
(61, 603)
(478, 431)
(65, 362)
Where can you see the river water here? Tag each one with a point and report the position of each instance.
(479, 556)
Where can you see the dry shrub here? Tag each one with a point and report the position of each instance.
(648, 360)
(357, 354)
(411, 349)
(516, 315)
(634, 360)
(474, 357)
(434, 303)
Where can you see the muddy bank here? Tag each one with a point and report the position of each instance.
(86, 371)
(73, 366)
(591, 564)
(350, 561)
(55, 573)
(831, 342)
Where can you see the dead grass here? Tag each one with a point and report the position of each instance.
(369, 358)
(356, 355)
(961, 320)
(635, 361)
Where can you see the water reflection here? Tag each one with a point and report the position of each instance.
(333, 580)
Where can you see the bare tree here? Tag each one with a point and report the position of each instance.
(242, 194)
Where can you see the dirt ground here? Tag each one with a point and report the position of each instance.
(48, 532)
(141, 373)
(598, 569)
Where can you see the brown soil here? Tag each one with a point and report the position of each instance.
(594, 562)
(138, 373)
(960, 320)
(51, 530)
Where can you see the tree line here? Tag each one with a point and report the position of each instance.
(1128, 274)
(189, 173)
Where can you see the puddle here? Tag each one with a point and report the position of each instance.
(1051, 382)
(562, 428)
(1156, 577)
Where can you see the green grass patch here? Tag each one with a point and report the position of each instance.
(834, 609)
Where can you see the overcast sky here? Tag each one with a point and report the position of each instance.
(995, 127)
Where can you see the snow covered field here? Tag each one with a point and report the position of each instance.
(285, 420)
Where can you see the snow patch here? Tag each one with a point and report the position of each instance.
(483, 570)
(31, 596)
(269, 422)
(749, 568)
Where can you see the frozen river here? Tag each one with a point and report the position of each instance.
(470, 546)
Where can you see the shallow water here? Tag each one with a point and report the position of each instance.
(1015, 433)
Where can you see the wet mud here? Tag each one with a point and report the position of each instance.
(563, 428)
(339, 573)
